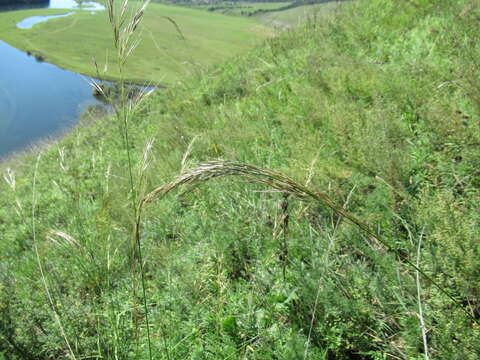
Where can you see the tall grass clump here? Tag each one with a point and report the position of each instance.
(125, 21)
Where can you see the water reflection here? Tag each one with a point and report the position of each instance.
(55, 4)
(37, 99)
(73, 5)
(27, 23)
(6, 6)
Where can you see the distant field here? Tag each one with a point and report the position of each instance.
(161, 57)
(241, 8)
(295, 16)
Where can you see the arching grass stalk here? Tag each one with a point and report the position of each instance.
(220, 168)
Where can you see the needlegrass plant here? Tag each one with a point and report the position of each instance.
(376, 107)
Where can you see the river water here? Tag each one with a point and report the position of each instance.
(56, 4)
(37, 99)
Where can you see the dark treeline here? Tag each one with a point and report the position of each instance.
(216, 2)
(295, 3)
(22, 2)
(225, 5)
(291, 5)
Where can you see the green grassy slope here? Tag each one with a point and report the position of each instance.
(378, 108)
(162, 56)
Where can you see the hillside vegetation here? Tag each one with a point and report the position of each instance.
(376, 107)
(164, 55)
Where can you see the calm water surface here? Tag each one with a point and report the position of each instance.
(28, 22)
(37, 99)
(72, 4)
(56, 4)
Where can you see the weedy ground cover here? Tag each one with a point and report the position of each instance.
(378, 108)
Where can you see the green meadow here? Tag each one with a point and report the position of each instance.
(163, 55)
(315, 197)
